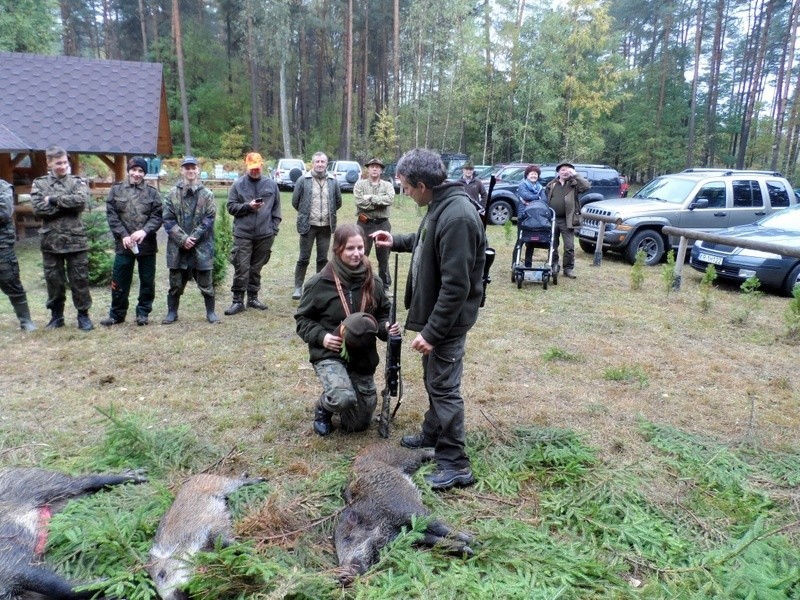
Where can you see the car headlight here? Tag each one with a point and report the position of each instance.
(623, 227)
(757, 253)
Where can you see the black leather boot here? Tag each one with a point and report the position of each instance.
(210, 314)
(172, 310)
(56, 317)
(237, 306)
(84, 322)
(322, 419)
(254, 302)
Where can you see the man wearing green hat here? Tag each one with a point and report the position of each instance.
(374, 198)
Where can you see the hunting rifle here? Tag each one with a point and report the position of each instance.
(394, 383)
(490, 254)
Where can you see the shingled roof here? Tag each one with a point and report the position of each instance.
(87, 106)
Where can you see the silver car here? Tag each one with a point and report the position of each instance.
(283, 172)
(704, 199)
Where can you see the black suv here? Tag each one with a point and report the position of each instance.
(605, 182)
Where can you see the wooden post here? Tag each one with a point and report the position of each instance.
(681, 258)
(6, 170)
(598, 249)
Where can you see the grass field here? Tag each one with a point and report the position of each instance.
(626, 443)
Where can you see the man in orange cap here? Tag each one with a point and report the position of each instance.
(255, 203)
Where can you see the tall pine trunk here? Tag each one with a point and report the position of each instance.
(176, 32)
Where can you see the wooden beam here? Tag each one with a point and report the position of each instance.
(6, 170)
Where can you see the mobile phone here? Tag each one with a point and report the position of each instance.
(258, 200)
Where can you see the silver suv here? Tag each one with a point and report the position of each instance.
(282, 172)
(347, 172)
(705, 199)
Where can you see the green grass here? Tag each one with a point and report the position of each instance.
(625, 445)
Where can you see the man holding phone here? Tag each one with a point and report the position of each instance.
(255, 203)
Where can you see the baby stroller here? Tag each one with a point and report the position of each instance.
(536, 223)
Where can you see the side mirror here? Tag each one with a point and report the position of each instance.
(699, 203)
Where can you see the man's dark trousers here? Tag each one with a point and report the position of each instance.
(248, 258)
(122, 277)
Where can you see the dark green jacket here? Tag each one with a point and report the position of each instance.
(130, 208)
(63, 230)
(445, 301)
(190, 212)
(321, 312)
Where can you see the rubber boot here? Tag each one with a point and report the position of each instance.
(23, 313)
(84, 322)
(56, 317)
(172, 310)
(210, 314)
(299, 278)
(237, 306)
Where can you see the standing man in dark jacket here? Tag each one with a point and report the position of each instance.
(255, 203)
(9, 267)
(475, 188)
(133, 211)
(316, 199)
(189, 213)
(443, 295)
(562, 196)
(58, 199)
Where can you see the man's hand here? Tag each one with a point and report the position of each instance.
(138, 236)
(189, 243)
(393, 329)
(383, 239)
(420, 345)
(256, 205)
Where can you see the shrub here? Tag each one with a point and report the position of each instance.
(101, 245)
(223, 242)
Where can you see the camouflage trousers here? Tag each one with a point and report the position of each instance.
(352, 396)
(70, 268)
(248, 258)
(9, 276)
(382, 254)
(178, 278)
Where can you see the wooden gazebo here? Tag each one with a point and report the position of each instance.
(112, 109)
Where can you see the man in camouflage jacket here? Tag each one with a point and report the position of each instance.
(58, 199)
(9, 267)
(133, 210)
(189, 213)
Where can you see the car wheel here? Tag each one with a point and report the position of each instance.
(499, 212)
(587, 247)
(792, 280)
(651, 242)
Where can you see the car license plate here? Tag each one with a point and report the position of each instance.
(586, 232)
(710, 258)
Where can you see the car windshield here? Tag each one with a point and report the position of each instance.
(667, 189)
(787, 219)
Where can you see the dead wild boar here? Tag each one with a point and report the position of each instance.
(197, 518)
(28, 498)
(380, 499)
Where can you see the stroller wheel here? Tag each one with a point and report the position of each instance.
(544, 282)
(555, 278)
(520, 277)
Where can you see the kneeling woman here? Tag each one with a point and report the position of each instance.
(342, 310)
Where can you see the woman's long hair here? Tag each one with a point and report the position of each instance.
(343, 233)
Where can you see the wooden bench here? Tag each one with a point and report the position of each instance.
(216, 185)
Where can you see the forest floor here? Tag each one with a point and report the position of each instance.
(634, 443)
